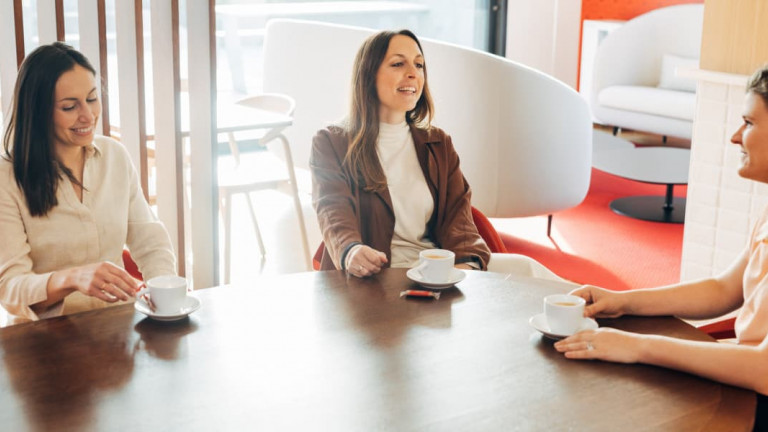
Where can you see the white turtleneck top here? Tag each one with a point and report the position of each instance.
(411, 199)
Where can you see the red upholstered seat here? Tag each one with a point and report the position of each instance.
(484, 227)
(721, 329)
(130, 265)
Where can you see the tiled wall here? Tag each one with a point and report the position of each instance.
(722, 206)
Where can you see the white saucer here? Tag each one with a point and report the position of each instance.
(539, 322)
(456, 277)
(191, 304)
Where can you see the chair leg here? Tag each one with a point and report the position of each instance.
(225, 200)
(549, 225)
(297, 202)
(255, 225)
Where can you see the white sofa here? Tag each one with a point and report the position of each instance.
(635, 84)
(524, 138)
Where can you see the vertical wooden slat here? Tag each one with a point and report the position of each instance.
(8, 62)
(202, 136)
(46, 22)
(179, 143)
(130, 115)
(103, 69)
(169, 151)
(139, 23)
(60, 30)
(18, 22)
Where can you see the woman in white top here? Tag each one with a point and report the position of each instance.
(386, 183)
(69, 201)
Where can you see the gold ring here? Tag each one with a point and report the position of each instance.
(589, 346)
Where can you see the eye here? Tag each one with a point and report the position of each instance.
(397, 64)
(68, 108)
(420, 65)
(92, 100)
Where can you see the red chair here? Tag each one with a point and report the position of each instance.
(130, 265)
(484, 228)
(721, 329)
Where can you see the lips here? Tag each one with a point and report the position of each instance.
(83, 131)
(411, 90)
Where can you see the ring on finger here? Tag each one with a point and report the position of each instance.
(589, 346)
(360, 268)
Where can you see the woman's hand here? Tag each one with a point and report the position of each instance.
(603, 344)
(464, 266)
(104, 281)
(365, 261)
(601, 303)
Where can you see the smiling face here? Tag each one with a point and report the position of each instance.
(400, 79)
(76, 108)
(752, 136)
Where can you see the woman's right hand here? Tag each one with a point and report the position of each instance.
(365, 261)
(601, 303)
(103, 280)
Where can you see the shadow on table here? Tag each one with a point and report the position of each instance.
(163, 339)
(88, 363)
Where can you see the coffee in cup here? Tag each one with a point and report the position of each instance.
(167, 293)
(564, 313)
(435, 265)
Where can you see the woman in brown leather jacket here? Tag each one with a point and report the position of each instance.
(387, 184)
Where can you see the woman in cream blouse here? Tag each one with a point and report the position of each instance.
(70, 201)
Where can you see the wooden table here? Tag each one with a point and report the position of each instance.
(320, 351)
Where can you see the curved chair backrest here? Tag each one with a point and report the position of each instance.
(524, 138)
(274, 102)
(632, 54)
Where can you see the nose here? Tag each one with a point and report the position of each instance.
(411, 71)
(86, 114)
(736, 137)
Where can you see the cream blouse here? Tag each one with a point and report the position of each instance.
(113, 214)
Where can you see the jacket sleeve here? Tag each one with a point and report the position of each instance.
(457, 230)
(332, 195)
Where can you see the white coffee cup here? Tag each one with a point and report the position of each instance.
(435, 265)
(167, 293)
(564, 313)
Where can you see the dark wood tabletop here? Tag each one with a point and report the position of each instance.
(323, 351)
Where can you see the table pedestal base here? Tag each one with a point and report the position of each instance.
(651, 208)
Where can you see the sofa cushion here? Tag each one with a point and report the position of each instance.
(669, 79)
(650, 100)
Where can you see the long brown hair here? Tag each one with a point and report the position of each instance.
(28, 140)
(363, 124)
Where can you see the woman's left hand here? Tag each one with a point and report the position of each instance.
(464, 266)
(602, 344)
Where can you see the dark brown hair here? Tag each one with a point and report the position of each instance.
(363, 126)
(28, 140)
(758, 84)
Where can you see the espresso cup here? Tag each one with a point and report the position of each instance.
(435, 265)
(167, 293)
(564, 313)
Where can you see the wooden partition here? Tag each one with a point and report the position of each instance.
(130, 123)
(735, 37)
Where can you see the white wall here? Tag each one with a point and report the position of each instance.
(544, 34)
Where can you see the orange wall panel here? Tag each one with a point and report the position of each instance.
(624, 9)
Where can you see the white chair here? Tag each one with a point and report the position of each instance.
(635, 84)
(524, 138)
(244, 181)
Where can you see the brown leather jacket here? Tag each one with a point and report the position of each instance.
(348, 214)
